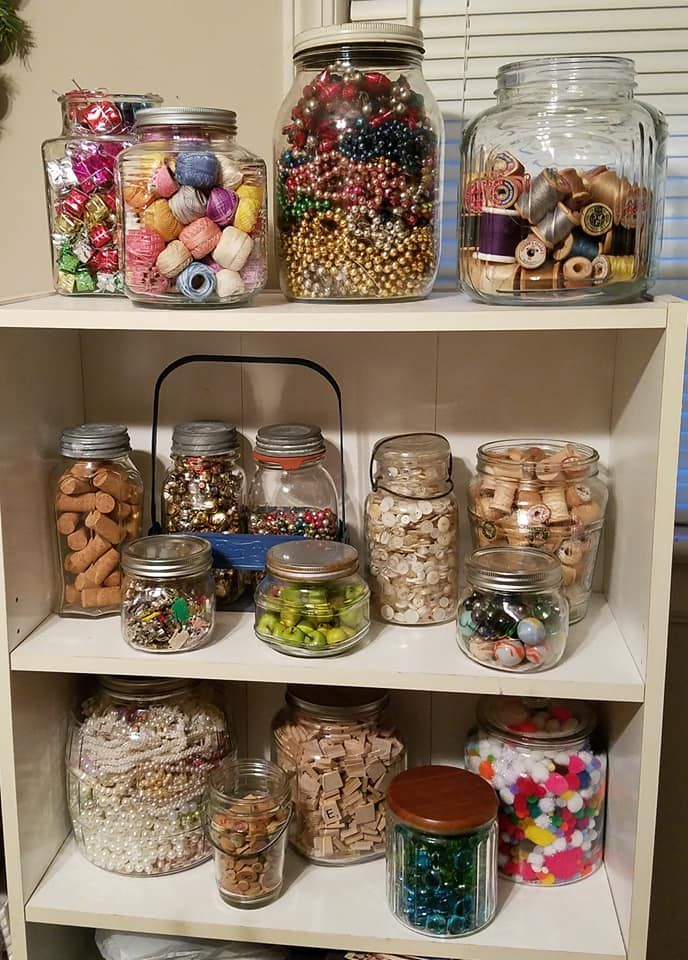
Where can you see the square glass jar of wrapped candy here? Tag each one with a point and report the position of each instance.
(195, 216)
(562, 189)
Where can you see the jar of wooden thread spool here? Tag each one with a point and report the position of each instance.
(550, 216)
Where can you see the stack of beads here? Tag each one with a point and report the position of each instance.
(551, 785)
(308, 522)
(547, 230)
(82, 201)
(357, 189)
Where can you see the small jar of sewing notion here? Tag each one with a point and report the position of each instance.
(513, 615)
(195, 216)
(168, 598)
(563, 185)
(358, 150)
(545, 494)
(412, 529)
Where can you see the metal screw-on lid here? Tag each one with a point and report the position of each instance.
(336, 703)
(312, 560)
(92, 441)
(513, 569)
(166, 557)
(537, 719)
(186, 117)
(360, 32)
(204, 438)
(284, 440)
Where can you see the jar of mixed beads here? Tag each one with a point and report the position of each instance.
(546, 494)
(195, 225)
(292, 491)
(513, 615)
(411, 530)
(563, 185)
(139, 754)
(168, 601)
(249, 809)
(358, 157)
(80, 188)
(545, 762)
(441, 851)
(204, 491)
(340, 749)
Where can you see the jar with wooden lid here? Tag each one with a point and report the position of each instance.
(545, 494)
(412, 529)
(340, 748)
(442, 851)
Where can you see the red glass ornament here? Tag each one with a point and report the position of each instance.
(329, 91)
(298, 137)
(377, 84)
(381, 118)
(323, 78)
(349, 91)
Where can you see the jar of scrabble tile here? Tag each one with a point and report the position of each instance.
(340, 749)
(412, 529)
(546, 494)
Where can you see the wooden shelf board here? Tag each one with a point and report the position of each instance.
(597, 664)
(337, 908)
(270, 312)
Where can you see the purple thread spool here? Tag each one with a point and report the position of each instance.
(222, 205)
(499, 234)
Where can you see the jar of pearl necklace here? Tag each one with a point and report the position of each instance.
(139, 754)
(411, 529)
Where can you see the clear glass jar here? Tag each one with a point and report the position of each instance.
(312, 603)
(249, 809)
(412, 530)
(340, 749)
(79, 181)
(291, 490)
(168, 600)
(513, 614)
(545, 494)
(204, 491)
(358, 155)
(195, 226)
(572, 169)
(441, 851)
(543, 760)
(97, 497)
(139, 753)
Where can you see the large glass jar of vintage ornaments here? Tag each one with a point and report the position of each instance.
(97, 495)
(195, 223)
(545, 494)
(358, 163)
(513, 614)
(168, 600)
(340, 749)
(563, 185)
(204, 491)
(545, 762)
(291, 490)
(441, 851)
(313, 602)
(139, 753)
(411, 530)
(79, 180)
(249, 810)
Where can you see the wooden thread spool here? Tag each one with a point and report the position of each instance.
(556, 225)
(577, 272)
(577, 244)
(612, 190)
(531, 253)
(548, 277)
(504, 164)
(607, 269)
(499, 235)
(596, 219)
(506, 191)
(497, 277)
(544, 193)
(578, 194)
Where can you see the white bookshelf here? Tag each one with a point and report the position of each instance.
(610, 376)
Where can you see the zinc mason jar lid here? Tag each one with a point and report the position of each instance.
(204, 438)
(362, 32)
(440, 799)
(537, 722)
(280, 442)
(336, 703)
(167, 557)
(541, 461)
(312, 560)
(187, 117)
(513, 570)
(95, 441)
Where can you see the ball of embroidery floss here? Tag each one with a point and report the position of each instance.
(196, 282)
(197, 169)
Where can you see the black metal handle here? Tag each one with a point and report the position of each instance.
(231, 358)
